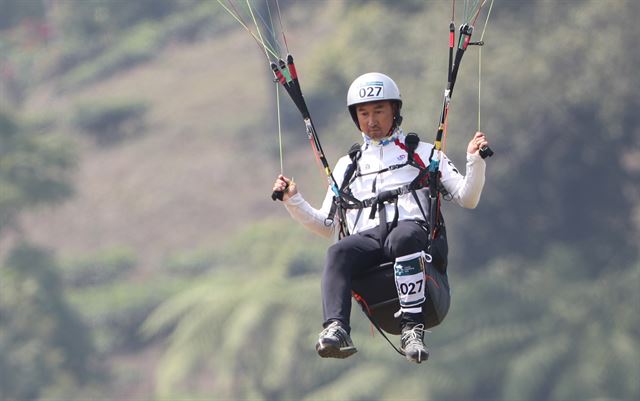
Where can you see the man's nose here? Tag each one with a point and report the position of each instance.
(371, 122)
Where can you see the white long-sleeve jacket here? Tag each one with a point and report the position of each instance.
(376, 156)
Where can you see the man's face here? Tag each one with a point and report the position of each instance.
(375, 118)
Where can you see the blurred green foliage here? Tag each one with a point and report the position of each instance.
(258, 300)
(191, 262)
(16, 11)
(530, 334)
(114, 311)
(110, 120)
(550, 329)
(34, 168)
(90, 40)
(141, 44)
(45, 345)
(91, 18)
(99, 268)
(44, 342)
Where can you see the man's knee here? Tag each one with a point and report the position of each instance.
(339, 251)
(406, 239)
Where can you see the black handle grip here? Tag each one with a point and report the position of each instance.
(485, 152)
(277, 195)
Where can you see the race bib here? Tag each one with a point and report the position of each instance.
(372, 90)
(410, 279)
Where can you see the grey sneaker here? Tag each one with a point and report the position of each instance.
(412, 343)
(334, 342)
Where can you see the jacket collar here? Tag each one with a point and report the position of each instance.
(397, 134)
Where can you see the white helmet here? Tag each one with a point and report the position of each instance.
(372, 87)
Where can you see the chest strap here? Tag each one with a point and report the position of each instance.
(347, 201)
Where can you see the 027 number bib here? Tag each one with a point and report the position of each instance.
(410, 279)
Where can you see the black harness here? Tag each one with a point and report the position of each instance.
(346, 201)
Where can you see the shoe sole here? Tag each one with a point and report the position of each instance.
(334, 352)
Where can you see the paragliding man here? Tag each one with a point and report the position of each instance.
(387, 219)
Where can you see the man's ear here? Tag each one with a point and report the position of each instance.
(397, 118)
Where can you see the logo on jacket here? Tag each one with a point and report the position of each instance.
(401, 157)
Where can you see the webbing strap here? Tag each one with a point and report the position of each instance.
(377, 203)
(367, 313)
(384, 228)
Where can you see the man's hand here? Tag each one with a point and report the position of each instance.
(478, 141)
(285, 185)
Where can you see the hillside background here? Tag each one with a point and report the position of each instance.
(141, 257)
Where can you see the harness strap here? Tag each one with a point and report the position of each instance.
(347, 201)
(344, 196)
(415, 196)
(384, 227)
(386, 169)
(367, 313)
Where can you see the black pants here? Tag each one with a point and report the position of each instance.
(356, 253)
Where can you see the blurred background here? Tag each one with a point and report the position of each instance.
(141, 257)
